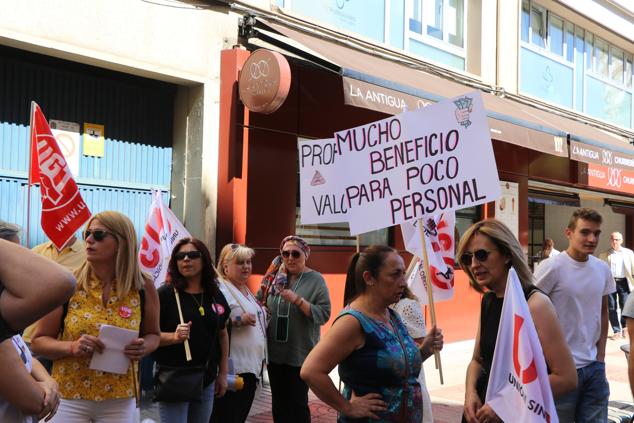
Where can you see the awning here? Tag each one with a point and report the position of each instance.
(387, 86)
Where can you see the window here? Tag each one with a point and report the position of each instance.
(570, 42)
(555, 35)
(455, 19)
(538, 27)
(616, 65)
(440, 19)
(628, 71)
(589, 42)
(433, 17)
(601, 57)
(526, 20)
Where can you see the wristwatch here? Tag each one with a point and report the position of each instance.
(238, 320)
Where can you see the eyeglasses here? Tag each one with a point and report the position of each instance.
(193, 255)
(294, 253)
(97, 234)
(481, 255)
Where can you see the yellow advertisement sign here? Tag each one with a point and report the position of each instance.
(94, 140)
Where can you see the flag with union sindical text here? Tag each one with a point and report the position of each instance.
(519, 389)
(440, 240)
(162, 231)
(63, 209)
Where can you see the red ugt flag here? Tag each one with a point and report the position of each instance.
(63, 209)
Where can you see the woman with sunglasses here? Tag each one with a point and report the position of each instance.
(299, 304)
(248, 332)
(192, 290)
(111, 289)
(487, 251)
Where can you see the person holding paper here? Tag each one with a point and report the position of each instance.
(379, 362)
(299, 305)
(193, 322)
(487, 250)
(248, 333)
(28, 284)
(111, 290)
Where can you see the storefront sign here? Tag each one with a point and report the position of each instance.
(67, 136)
(600, 156)
(374, 97)
(265, 80)
(611, 178)
(94, 140)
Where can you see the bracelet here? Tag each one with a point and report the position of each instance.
(299, 301)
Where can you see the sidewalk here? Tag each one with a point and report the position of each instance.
(447, 399)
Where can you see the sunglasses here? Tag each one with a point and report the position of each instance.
(98, 234)
(193, 255)
(294, 253)
(481, 255)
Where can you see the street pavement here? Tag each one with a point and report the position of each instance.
(447, 398)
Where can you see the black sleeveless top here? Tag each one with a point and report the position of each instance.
(490, 312)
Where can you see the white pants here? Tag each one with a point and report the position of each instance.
(84, 411)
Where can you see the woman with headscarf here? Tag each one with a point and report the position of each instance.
(487, 251)
(248, 332)
(298, 301)
(112, 290)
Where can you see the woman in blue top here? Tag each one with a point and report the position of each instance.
(378, 361)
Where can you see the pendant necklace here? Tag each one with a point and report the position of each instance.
(201, 309)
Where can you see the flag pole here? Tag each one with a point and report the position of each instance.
(28, 189)
(188, 354)
(430, 295)
(358, 244)
(410, 267)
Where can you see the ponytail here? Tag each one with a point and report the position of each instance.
(350, 292)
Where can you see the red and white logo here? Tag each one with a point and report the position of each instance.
(528, 374)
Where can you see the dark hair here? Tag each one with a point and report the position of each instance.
(584, 214)
(370, 260)
(208, 277)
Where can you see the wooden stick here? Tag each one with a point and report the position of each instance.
(430, 295)
(358, 244)
(188, 353)
(410, 267)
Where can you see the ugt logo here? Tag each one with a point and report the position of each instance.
(464, 107)
(528, 374)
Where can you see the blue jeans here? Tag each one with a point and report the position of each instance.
(589, 402)
(188, 412)
(619, 297)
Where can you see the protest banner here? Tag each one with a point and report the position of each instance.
(63, 208)
(416, 164)
(439, 237)
(162, 231)
(519, 389)
(321, 198)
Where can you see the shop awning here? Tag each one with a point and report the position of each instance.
(383, 84)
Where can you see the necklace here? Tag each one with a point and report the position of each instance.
(201, 309)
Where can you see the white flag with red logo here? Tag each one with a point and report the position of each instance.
(519, 389)
(63, 209)
(440, 240)
(162, 231)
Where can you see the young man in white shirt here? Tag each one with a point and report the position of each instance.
(578, 285)
(621, 262)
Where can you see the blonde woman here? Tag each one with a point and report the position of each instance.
(248, 334)
(487, 250)
(110, 290)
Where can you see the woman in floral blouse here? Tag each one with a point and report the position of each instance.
(110, 290)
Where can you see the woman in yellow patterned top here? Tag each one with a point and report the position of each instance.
(110, 290)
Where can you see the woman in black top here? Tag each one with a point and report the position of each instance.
(205, 312)
(487, 250)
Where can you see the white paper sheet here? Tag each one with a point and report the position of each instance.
(112, 359)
